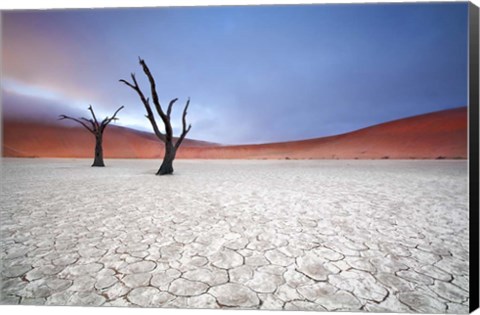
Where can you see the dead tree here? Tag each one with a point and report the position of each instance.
(170, 147)
(97, 130)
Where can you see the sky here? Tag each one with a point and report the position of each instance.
(254, 74)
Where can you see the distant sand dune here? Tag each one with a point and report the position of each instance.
(441, 134)
(33, 139)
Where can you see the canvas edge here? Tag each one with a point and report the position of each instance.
(473, 109)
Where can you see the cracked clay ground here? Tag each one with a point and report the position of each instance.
(295, 235)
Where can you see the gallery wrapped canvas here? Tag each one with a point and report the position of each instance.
(317, 157)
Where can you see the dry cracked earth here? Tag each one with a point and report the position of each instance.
(294, 235)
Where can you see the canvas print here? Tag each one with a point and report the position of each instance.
(299, 157)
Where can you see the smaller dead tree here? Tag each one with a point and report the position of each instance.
(171, 146)
(96, 129)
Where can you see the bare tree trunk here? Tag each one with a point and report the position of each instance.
(167, 164)
(167, 137)
(98, 161)
(96, 128)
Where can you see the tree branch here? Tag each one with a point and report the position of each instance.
(62, 117)
(116, 112)
(93, 115)
(89, 121)
(156, 102)
(185, 130)
(169, 110)
(146, 104)
(157, 131)
(128, 83)
(107, 120)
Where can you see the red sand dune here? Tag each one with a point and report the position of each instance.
(33, 139)
(436, 135)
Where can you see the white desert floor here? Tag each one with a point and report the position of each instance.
(306, 235)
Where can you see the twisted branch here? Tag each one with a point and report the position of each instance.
(107, 120)
(96, 128)
(167, 138)
(185, 130)
(156, 101)
(146, 104)
(62, 117)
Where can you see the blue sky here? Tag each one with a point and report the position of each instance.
(254, 74)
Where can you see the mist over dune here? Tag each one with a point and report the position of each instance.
(440, 134)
